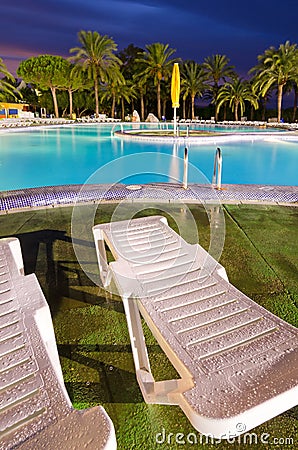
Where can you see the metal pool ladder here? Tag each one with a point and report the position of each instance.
(217, 170)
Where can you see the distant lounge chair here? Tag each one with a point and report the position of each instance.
(238, 363)
(35, 410)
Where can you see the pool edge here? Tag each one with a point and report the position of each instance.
(69, 195)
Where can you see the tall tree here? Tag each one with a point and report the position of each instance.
(235, 94)
(83, 100)
(46, 72)
(97, 56)
(193, 83)
(74, 79)
(158, 66)
(218, 70)
(129, 56)
(277, 67)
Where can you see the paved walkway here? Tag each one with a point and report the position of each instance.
(66, 195)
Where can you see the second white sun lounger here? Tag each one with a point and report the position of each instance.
(238, 363)
(35, 409)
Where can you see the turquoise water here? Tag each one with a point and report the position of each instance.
(70, 155)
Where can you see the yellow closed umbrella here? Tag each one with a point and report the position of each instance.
(175, 92)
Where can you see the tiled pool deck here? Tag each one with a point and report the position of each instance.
(13, 201)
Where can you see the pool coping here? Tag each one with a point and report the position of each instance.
(69, 195)
(216, 138)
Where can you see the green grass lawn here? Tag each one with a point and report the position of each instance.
(260, 257)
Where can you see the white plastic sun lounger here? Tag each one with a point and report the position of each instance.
(238, 363)
(35, 410)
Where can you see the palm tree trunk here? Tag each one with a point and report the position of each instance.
(53, 91)
(264, 102)
(145, 107)
(279, 101)
(295, 103)
(122, 109)
(158, 101)
(113, 106)
(142, 108)
(215, 102)
(96, 96)
(225, 112)
(216, 113)
(70, 102)
(183, 107)
(236, 111)
(192, 107)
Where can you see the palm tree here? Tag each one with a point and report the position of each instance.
(165, 96)
(217, 69)
(263, 99)
(236, 93)
(140, 88)
(6, 83)
(193, 83)
(111, 88)
(276, 68)
(125, 93)
(97, 56)
(141, 82)
(117, 90)
(158, 66)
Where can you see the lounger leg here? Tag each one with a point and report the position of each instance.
(137, 339)
(159, 392)
(102, 258)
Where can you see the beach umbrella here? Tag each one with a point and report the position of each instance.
(175, 92)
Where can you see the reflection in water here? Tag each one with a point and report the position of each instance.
(58, 142)
(174, 172)
(73, 139)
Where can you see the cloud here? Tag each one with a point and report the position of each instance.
(196, 29)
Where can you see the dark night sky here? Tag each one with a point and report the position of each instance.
(196, 29)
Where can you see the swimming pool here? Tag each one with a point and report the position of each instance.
(70, 155)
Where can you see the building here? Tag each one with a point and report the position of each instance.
(15, 110)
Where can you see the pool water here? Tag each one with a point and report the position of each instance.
(70, 155)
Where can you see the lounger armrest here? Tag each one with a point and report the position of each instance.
(124, 278)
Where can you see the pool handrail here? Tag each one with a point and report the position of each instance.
(217, 169)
